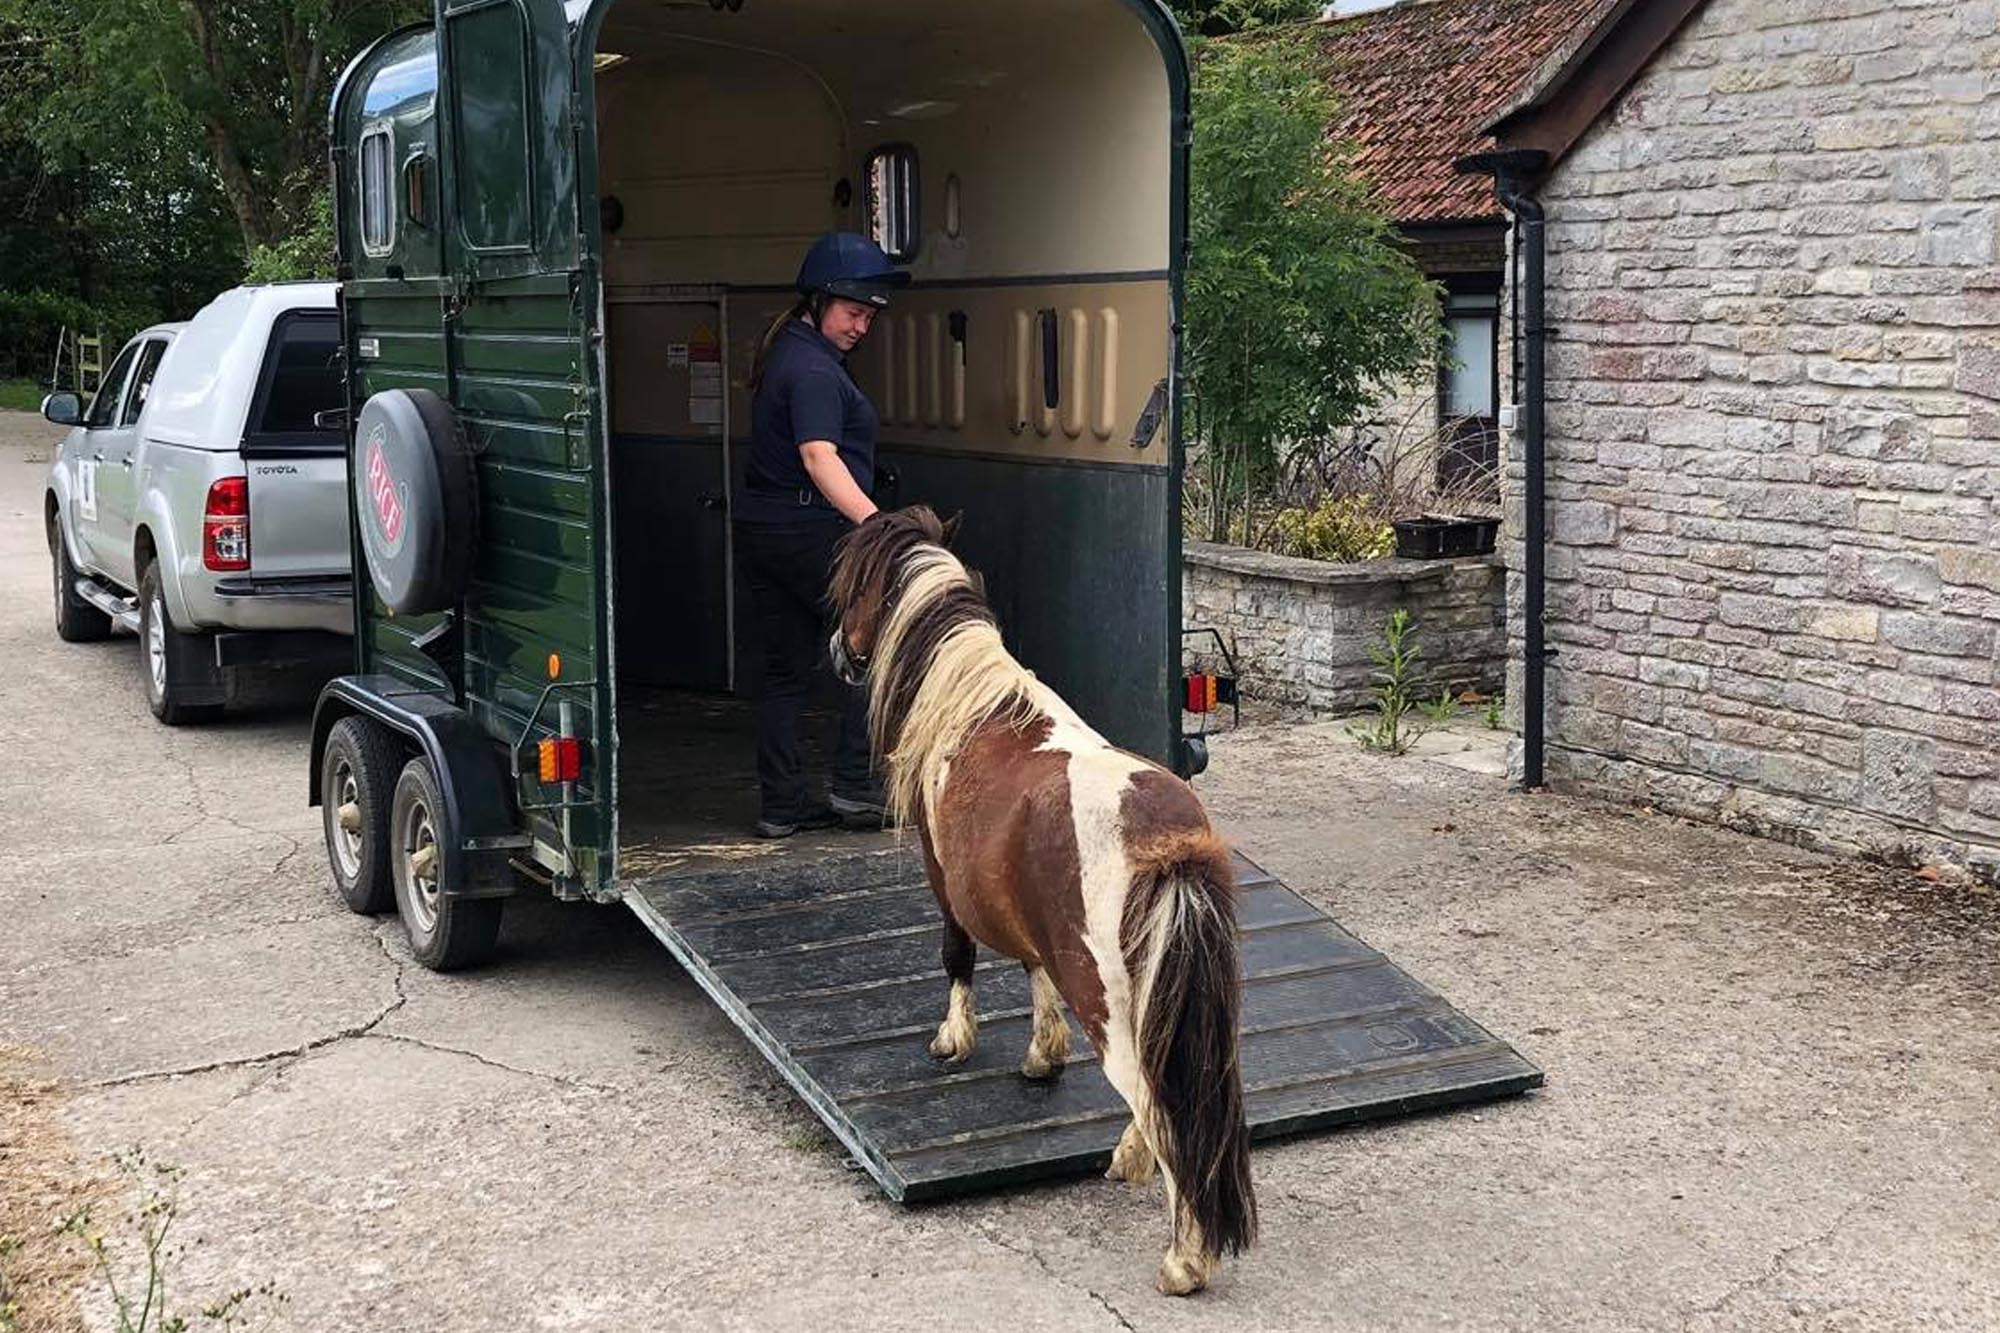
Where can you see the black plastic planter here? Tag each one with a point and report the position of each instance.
(1443, 537)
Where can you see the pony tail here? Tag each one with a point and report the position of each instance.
(1181, 952)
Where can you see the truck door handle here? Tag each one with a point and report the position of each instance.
(126, 462)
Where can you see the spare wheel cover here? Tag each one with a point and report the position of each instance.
(413, 479)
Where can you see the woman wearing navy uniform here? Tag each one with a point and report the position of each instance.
(811, 471)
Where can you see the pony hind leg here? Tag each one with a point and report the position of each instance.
(960, 1029)
(1048, 1048)
(1132, 1160)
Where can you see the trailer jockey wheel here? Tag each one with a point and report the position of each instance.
(447, 932)
(357, 778)
(416, 497)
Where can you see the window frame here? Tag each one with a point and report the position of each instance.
(913, 193)
(143, 375)
(116, 376)
(385, 131)
(257, 442)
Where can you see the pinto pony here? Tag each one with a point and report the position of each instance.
(1096, 869)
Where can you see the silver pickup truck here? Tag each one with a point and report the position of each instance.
(198, 501)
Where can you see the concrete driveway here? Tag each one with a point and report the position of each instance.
(1774, 1079)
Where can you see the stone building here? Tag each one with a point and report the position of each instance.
(1772, 405)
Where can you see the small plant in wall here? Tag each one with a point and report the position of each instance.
(1397, 720)
(1496, 712)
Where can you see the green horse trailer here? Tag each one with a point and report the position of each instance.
(561, 230)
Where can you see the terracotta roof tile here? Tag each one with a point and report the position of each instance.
(1416, 82)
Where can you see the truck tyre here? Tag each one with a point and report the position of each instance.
(416, 499)
(357, 783)
(446, 932)
(166, 656)
(77, 621)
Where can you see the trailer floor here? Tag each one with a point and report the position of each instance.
(825, 952)
(688, 787)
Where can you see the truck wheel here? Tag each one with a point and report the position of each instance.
(77, 621)
(166, 655)
(446, 932)
(357, 782)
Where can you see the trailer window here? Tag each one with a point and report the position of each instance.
(892, 200)
(301, 378)
(378, 219)
(489, 90)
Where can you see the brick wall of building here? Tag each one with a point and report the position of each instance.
(1774, 429)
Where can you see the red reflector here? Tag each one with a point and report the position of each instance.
(225, 526)
(560, 759)
(1200, 694)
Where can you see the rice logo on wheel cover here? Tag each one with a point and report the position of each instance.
(414, 483)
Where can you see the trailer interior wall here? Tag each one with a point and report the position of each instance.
(724, 136)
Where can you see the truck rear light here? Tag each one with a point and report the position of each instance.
(225, 526)
(561, 759)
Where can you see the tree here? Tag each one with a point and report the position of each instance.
(246, 80)
(1216, 18)
(1300, 305)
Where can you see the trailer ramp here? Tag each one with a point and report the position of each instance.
(831, 967)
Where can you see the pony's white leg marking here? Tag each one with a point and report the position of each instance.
(1048, 1048)
(960, 1027)
(1132, 1160)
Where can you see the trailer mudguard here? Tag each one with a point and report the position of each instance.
(461, 753)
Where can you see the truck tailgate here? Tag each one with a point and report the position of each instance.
(298, 515)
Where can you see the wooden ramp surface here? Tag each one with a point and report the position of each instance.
(831, 967)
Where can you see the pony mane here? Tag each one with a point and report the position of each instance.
(940, 671)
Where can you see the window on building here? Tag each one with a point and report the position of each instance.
(1469, 389)
(378, 218)
(892, 200)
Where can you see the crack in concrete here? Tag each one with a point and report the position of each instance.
(1030, 1252)
(562, 1080)
(290, 1055)
(1776, 1266)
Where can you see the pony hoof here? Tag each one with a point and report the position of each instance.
(1178, 1277)
(949, 1049)
(1039, 1069)
(1128, 1171)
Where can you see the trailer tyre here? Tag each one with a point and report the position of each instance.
(447, 932)
(416, 496)
(357, 783)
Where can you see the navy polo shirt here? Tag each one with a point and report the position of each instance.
(806, 395)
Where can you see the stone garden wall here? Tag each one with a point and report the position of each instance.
(1302, 629)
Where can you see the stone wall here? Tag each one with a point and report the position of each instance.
(1774, 429)
(1301, 629)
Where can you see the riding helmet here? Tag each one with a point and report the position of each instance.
(850, 266)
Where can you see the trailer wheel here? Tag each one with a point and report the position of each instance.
(357, 782)
(447, 932)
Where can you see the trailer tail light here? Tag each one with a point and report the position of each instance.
(225, 526)
(561, 759)
(1201, 694)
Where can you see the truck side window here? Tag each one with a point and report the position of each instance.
(301, 377)
(104, 407)
(378, 218)
(892, 200)
(149, 365)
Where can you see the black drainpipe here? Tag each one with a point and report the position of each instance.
(1517, 173)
